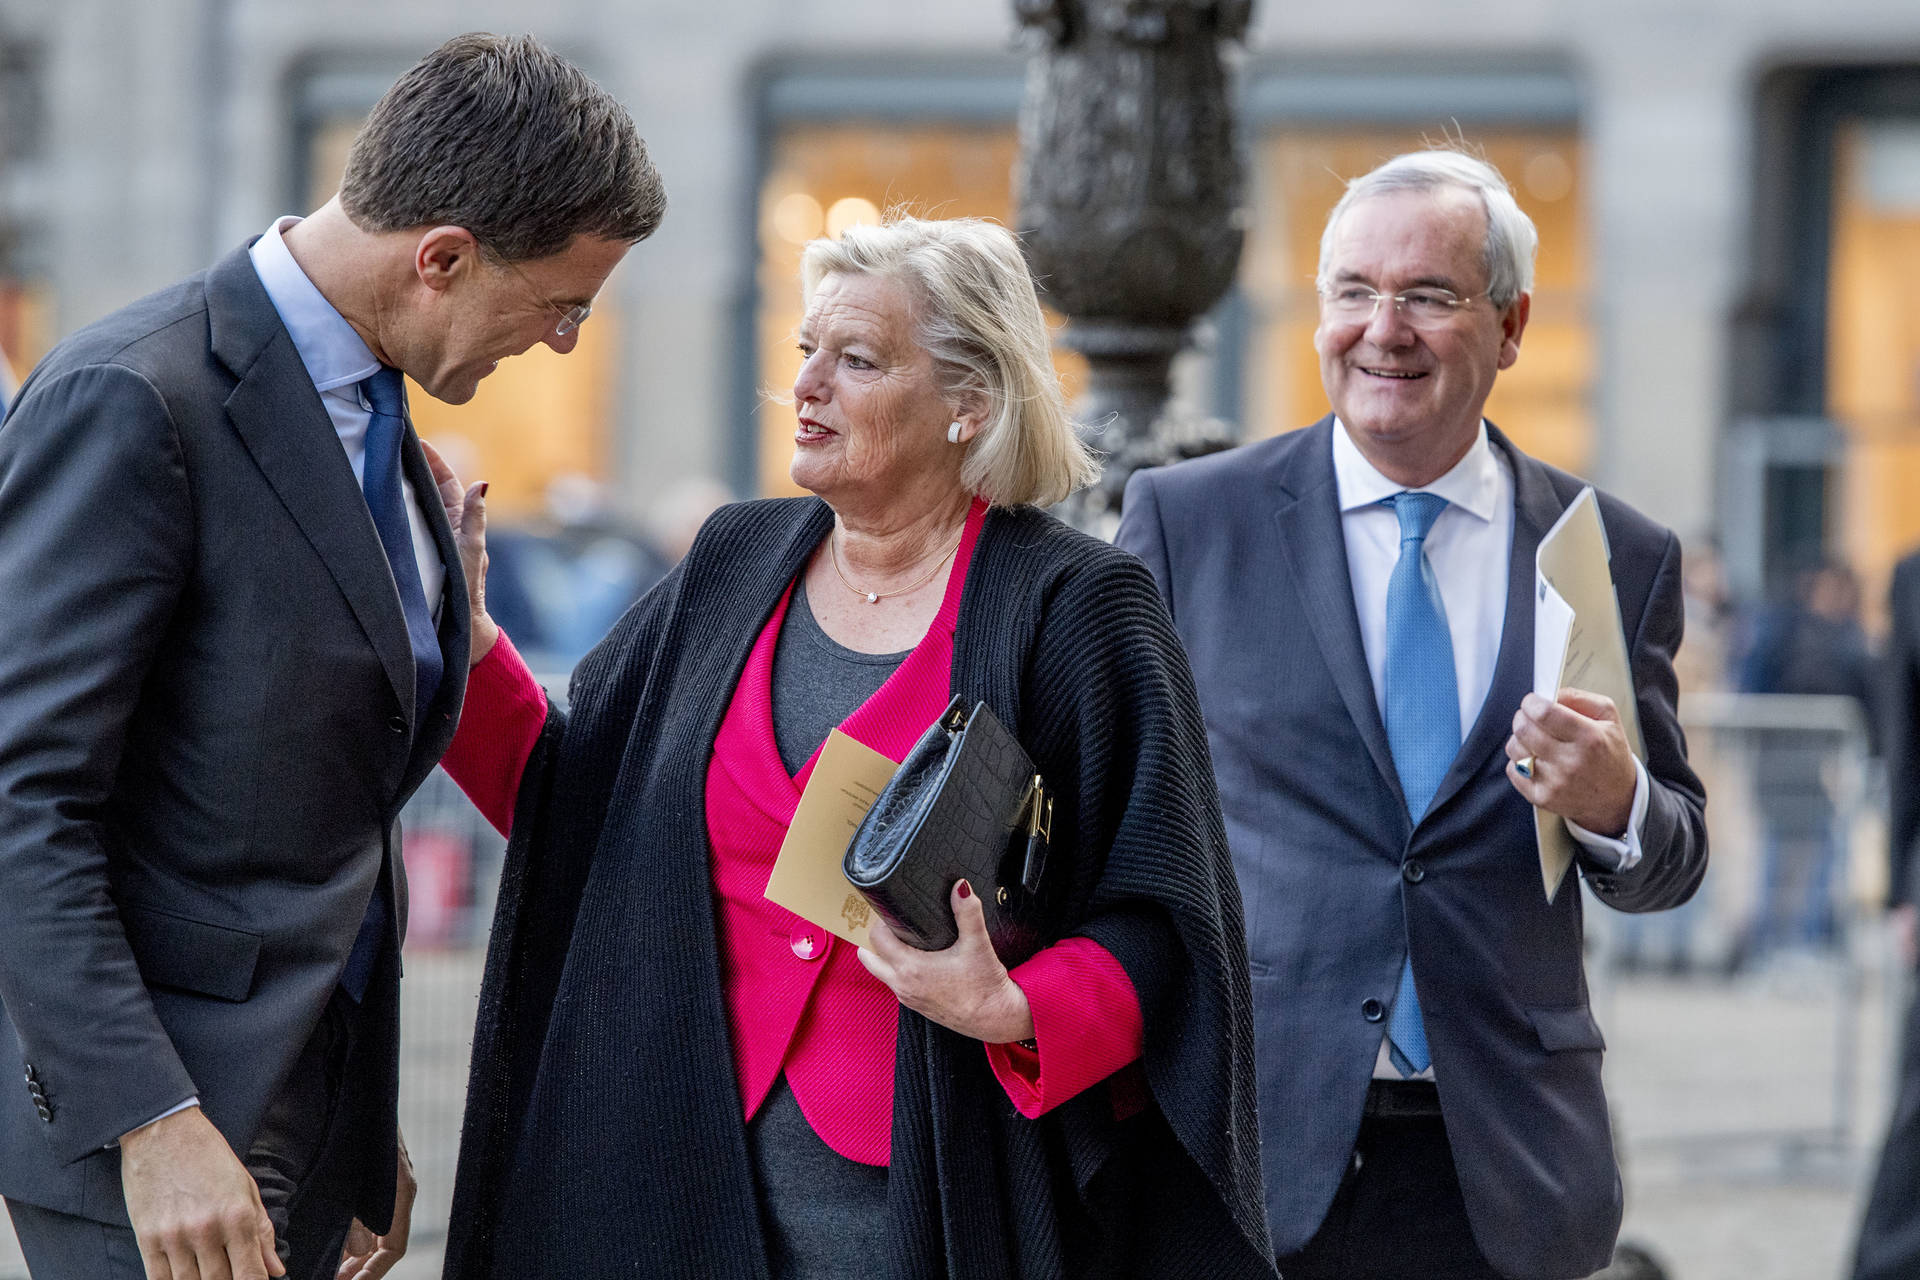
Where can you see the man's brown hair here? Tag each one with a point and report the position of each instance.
(502, 136)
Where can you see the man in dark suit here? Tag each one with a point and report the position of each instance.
(1889, 1244)
(1357, 601)
(234, 642)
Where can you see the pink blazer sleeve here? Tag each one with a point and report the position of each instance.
(499, 724)
(1086, 1026)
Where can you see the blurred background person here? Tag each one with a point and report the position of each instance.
(1813, 643)
(1666, 941)
(561, 581)
(557, 583)
(1715, 634)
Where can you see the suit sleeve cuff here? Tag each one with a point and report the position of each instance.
(504, 713)
(1086, 1026)
(170, 1111)
(1618, 855)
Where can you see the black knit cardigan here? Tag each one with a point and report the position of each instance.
(603, 1129)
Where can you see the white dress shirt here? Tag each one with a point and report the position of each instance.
(1470, 547)
(338, 360)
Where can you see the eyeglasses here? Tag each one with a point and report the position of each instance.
(567, 318)
(1425, 308)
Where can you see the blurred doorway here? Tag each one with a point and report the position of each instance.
(27, 326)
(1873, 341)
(1823, 450)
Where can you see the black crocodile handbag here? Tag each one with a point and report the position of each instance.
(966, 803)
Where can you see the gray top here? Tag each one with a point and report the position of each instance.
(824, 1216)
(818, 682)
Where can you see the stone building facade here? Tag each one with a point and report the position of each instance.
(1724, 184)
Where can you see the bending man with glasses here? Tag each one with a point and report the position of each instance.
(1357, 601)
(235, 641)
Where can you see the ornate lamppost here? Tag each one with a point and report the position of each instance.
(1131, 188)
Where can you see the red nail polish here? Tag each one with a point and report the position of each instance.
(966, 890)
(483, 488)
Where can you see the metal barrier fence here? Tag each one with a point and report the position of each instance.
(453, 857)
(1767, 986)
(453, 870)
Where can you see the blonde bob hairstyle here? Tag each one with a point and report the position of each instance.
(975, 311)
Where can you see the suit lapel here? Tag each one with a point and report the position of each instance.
(1307, 528)
(279, 417)
(1535, 508)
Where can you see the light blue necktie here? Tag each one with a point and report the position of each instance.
(1423, 717)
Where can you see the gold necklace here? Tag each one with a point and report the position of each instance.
(875, 597)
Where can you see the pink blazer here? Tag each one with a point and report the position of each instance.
(798, 1000)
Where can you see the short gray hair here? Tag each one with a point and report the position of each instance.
(502, 136)
(1511, 238)
(976, 312)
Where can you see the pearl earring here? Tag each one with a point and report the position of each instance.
(953, 434)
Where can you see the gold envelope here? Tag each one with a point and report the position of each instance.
(806, 878)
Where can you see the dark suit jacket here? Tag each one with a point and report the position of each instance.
(1248, 551)
(1902, 735)
(206, 696)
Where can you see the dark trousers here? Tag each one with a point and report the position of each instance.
(1398, 1214)
(1889, 1246)
(298, 1159)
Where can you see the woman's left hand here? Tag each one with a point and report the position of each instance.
(964, 988)
(467, 513)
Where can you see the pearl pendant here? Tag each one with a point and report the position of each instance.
(872, 598)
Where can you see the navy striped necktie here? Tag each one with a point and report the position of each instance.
(382, 478)
(383, 481)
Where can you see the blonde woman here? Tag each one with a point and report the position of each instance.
(674, 1076)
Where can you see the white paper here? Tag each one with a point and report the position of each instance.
(1552, 628)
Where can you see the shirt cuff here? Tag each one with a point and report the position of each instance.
(1622, 853)
(501, 720)
(1086, 1026)
(170, 1111)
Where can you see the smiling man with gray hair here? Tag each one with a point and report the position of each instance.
(234, 642)
(1356, 598)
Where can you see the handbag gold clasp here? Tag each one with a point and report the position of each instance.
(1037, 806)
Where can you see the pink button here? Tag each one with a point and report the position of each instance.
(807, 944)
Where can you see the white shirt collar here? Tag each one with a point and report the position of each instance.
(1473, 483)
(334, 354)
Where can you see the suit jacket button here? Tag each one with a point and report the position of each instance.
(46, 1112)
(807, 944)
(1413, 871)
(1372, 1010)
(397, 723)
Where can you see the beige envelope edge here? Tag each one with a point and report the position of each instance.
(1573, 558)
(806, 878)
